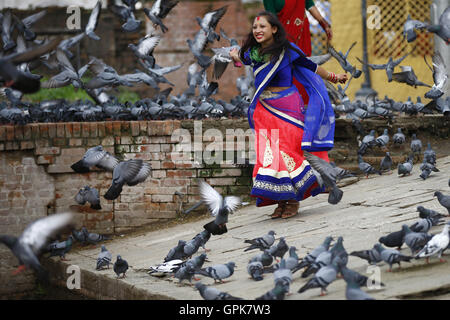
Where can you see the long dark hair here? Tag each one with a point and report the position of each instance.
(280, 39)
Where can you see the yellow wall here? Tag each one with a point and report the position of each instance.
(347, 28)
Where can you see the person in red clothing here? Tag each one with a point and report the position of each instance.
(292, 14)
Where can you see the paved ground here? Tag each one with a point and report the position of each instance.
(369, 209)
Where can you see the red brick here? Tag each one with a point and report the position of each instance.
(167, 165)
(75, 142)
(12, 145)
(175, 182)
(51, 130)
(135, 129)
(59, 142)
(27, 132)
(68, 128)
(47, 150)
(2, 133)
(116, 128)
(101, 129)
(181, 173)
(85, 129)
(18, 132)
(35, 132)
(143, 127)
(60, 131)
(9, 132)
(26, 145)
(76, 129)
(167, 128)
(45, 159)
(93, 131)
(109, 128)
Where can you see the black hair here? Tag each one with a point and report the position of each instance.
(280, 39)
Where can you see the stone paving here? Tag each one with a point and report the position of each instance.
(370, 208)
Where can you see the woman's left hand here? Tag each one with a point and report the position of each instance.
(342, 77)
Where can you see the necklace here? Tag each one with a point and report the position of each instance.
(255, 56)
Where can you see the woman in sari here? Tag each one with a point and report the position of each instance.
(283, 125)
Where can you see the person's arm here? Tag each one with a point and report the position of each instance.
(323, 23)
(234, 53)
(330, 76)
(273, 6)
(309, 4)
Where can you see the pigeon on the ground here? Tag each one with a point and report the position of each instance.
(399, 138)
(211, 293)
(80, 236)
(353, 290)
(120, 267)
(94, 238)
(256, 270)
(219, 207)
(368, 141)
(386, 163)
(391, 256)
(443, 200)
(436, 245)
(393, 239)
(278, 250)
(383, 140)
(34, 239)
(372, 256)
(176, 252)
(414, 240)
(416, 144)
(366, 168)
(198, 261)
(205, 235)
(264, 257)
(159, 10)
(429, 155)
(405, 168)
(428, 213)
(165, 268)
(277, 293)
(440, 77)
(191, 247)
(311, 257)
(322, 278)
(61, 248)
(129, 172)
(426, 169)
(327, 175)
(95, 156)
(218, 272)
(424, 225)
(291, 261)
(88, 194)
(349, 274)
(261, 243)
(322, 260)
(283, 274)
(103, 259)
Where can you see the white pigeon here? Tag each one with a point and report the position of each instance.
(162, 269)
(436, 245)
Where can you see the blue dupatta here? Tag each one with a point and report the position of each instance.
(320, 121)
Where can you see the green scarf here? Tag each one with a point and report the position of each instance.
(255, 56)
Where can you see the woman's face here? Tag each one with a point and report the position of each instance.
(263, 31)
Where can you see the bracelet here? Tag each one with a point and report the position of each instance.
(324, 24)
(332, 77)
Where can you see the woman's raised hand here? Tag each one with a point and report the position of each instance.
(342, 77)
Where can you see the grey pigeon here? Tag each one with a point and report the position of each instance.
(327, 175)
(219, 207)
(34, 239)
(159, 10)
(176, 252)
(261, 243)
(120, 267)
(405, 168)
(424, 225)
(144, 49)
(443, 200)
(338, 251)
(129, 172)
(354, 276)
(191, 247)
(80, 236)
(399, 138)
(291, 261)
(8, 42)
(264, 257)
(283, 274)
(391, 256)
(366, 168)
(372, 256)
(386, 163)
(205, 235)
(61, 248)
(103, 259)
(440, 77)
(322, 260)
(95, 156)
(340, 172)
(442, 29)
(277, 293)
(93, 21)
(66, 44)
(436, 246)
(410, 26)
(126, 14)
(186, 272)
(429, 155)
(278, 250)
(414, 240)
(94, 238)
(354, 292)
(198, 261)
(311, 257)
(221, 57)
(322, 278)
(256, 270)
(88, 194)
(24, 25)
(218, 272)
(426, 169)
(383, 140)
(408, 76)
(211, 293)
(428, 213)
(345, 64)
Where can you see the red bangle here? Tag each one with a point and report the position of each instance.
(332, 77)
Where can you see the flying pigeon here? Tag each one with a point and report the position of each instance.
(218, 272)
(218, 206)
(211, 293)
(24, 25)
(144, 49)
(443, 200)
(440, 76)
(103, 258)
(327, 175)
(342, 59)
(120, 267)
(126, 14)
(408, 76)
(159, 10)
(95, 156)
(34, 239)
(261, 243)
(88, 194)
(130, 172)
(93, 21)
(409, 28)
(442, 29)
